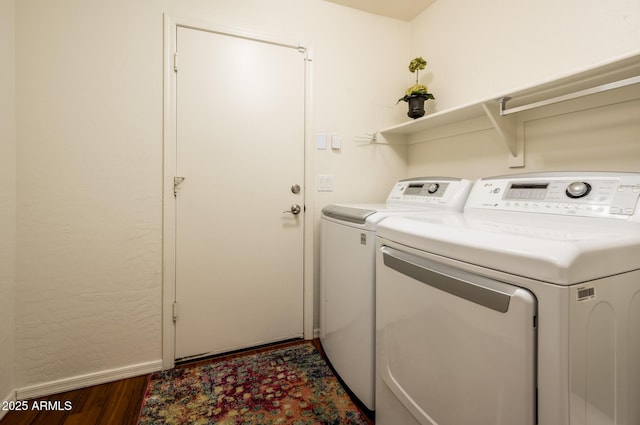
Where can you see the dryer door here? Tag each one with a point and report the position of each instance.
(453, 347)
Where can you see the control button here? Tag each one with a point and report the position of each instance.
(433, 188)
(578, 189)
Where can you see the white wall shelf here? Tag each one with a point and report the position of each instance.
(486, 113)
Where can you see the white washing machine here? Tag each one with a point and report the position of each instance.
(347, 273)
(523, 310)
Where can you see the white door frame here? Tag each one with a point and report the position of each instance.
(170, 168)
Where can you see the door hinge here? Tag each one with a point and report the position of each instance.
(177, 181)
(175, 62)
(175, 311)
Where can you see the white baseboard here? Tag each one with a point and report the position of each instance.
(82, 381)
(316, 333)
(8, 398)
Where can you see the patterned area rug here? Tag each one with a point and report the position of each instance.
(291, 385)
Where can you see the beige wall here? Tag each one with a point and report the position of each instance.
(7, 201)
(89, 120)
(477, 51)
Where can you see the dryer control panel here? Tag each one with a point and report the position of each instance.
(431, 191)
(598, 194)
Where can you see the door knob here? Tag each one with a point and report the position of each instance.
(295, 209)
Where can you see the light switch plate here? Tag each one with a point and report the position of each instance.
(336, 141)
(321, 141)
(324, 183)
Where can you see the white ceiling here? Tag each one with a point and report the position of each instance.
(405, 10)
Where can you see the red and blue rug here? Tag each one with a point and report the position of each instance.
(291, 385)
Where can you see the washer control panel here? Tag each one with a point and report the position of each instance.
(430, 191)
(612, 195)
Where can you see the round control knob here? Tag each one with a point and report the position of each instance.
(433, 188)
(578, 189)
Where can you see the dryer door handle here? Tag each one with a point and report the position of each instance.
(470, 287)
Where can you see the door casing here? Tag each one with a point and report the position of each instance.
(170, 171)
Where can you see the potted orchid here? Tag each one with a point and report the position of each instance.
(416, 95)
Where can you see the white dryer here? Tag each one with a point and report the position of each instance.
(525, 309)
(347, 272)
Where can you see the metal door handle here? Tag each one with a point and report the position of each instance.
(295, 210)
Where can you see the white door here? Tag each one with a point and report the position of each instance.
(240, 149)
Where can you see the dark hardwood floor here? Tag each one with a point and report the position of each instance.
(114, 403)
(107, 404)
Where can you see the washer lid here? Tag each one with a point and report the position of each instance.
(364, 216)
(551, 249)
(351, 214)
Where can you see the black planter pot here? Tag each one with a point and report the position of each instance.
(416, 105)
